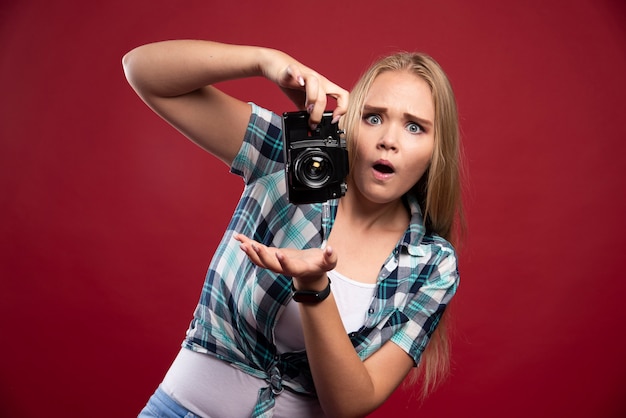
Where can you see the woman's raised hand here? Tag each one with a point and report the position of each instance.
(305, 266)
(306, 88)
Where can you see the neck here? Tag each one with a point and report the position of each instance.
(367, 215)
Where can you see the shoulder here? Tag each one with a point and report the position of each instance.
(262, 149)
(437, 244)
(431, 262)
(439, 275)
(425, 246)
(263, 123)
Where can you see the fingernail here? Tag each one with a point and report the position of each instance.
(301, 81)
(335, 119)
(310, 107)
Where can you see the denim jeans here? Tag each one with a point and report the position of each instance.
(160, 405)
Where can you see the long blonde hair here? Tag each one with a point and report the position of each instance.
(439, 189)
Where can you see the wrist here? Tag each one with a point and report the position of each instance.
(265, 57)
(313, 284)
(313, 293)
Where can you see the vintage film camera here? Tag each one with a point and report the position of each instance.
(316, 161)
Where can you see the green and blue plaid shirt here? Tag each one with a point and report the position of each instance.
(240, 303)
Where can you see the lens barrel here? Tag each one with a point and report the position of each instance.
(313, 168)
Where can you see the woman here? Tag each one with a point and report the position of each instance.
(251, 349)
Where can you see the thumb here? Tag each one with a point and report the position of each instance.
(292, 77)
(330, 258)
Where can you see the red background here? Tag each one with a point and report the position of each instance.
(108, 217)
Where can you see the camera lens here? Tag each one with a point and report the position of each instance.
(313, 168)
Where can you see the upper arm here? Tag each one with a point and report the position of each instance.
(393, 361)
(212, 119)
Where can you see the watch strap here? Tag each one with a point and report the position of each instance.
(310, 296)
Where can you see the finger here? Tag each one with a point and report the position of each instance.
(288, 265)
(295, 74)
(244, 240)
(330, 258)
(313, 98)
(343, 98)
(248, 247)
(290, 77)
(266, 257)
(283, 261)
(318, 110)
(312, 90)
(252, 256)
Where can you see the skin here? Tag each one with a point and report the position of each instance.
(174, 78)
(395, 131)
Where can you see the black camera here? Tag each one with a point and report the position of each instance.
(316, 161)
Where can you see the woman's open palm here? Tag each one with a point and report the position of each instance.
(305, 265)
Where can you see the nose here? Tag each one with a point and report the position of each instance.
(388, 139)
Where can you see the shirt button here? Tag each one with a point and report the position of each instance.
(371, 311)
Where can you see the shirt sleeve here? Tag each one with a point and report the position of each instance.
(261, 152)
(421, 315)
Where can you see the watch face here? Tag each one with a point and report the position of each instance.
(307, 297)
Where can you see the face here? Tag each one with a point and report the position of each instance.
(395, 138)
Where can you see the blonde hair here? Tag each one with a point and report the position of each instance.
(438, 191)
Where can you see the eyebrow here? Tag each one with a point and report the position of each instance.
(374, 109)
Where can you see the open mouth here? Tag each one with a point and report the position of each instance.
(383, 168)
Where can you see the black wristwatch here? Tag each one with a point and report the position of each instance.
(310, 296)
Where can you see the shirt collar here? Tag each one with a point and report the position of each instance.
(412, 237)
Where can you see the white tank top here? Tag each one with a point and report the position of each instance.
(212, 388)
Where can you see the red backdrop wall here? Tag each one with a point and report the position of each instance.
(108, 217)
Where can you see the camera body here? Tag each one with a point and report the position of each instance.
(316, 161)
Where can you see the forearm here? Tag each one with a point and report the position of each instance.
(174, 68)
(344, 385)
(185, 68)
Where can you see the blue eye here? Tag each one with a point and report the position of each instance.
(373, 119)
(414, 128)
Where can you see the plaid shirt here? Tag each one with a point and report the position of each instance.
(240, 302)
